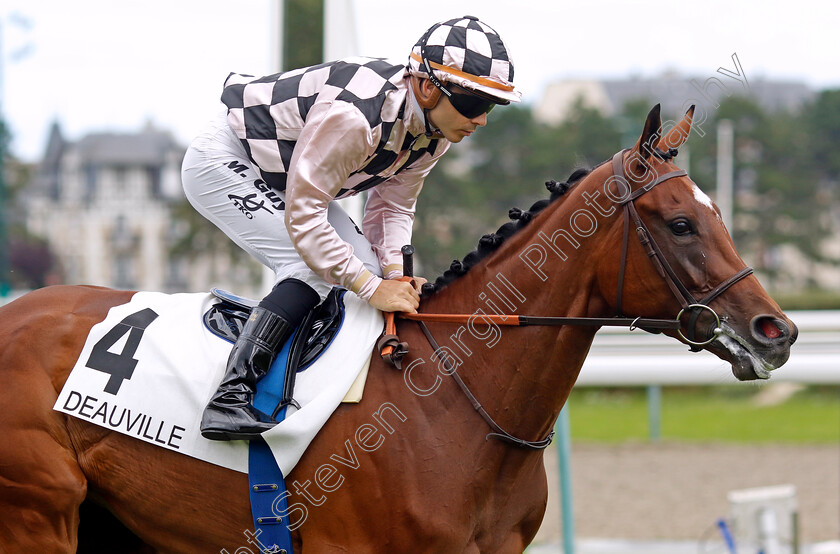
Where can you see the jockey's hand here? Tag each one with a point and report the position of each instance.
(395, 296)
(418, 283)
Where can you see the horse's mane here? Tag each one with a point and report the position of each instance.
(491, 242)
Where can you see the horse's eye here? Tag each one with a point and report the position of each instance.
(680, 227)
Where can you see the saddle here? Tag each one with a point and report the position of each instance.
(227, 317)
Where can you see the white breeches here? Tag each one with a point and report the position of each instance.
(221, 184)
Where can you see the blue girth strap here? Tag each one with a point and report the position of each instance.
(265, 480)
(268, 499)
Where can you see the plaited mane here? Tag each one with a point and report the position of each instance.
(491, 242)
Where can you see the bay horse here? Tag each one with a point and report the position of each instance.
(412, 467)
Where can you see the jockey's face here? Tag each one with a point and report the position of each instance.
(452, 125)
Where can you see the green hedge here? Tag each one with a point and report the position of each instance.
(726, 413)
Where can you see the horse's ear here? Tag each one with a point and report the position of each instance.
(679, 134)
(637, 162)
(650, 134)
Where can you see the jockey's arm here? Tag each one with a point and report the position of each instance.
(327, 153)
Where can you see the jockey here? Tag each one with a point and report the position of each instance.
(283, 147)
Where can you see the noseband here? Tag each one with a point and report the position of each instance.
(688, 302)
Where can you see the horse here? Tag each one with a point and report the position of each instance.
(417, 465)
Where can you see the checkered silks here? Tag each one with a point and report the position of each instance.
(268, 114)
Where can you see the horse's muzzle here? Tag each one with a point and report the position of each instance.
(765, 349)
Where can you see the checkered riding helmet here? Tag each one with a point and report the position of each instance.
(470, 54)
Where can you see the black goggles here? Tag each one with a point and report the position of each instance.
(467, 103)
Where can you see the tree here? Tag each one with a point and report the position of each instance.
(33, 265)
(303, 33)
(783, 168)
(787, 175)
(822, 123)
(28, 262)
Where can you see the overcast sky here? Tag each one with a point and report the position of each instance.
(105, 65)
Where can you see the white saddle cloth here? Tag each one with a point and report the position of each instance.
(153, 372)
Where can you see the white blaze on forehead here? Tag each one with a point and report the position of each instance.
(701, 197)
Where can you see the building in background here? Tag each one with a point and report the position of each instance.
(103, 204)
(111, 208)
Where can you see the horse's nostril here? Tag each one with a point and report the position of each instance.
(768, 327)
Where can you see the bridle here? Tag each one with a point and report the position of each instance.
(396, 350)
(687, 301)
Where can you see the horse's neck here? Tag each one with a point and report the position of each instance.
(525, 371)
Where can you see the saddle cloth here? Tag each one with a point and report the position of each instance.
(149, 369)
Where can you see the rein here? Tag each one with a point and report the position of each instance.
(498, 432)
(520, 321)
(393, 351)
(527, 320)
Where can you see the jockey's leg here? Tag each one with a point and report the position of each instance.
(230, 414)
(222, 185)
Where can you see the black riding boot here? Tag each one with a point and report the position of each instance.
(230, 414)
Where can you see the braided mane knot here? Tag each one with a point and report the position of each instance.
(489, 242)
(517, 214)
(556, 187)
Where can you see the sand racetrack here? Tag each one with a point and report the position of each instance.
(677, 491)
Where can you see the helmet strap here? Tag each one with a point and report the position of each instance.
(430, 131)
(431, 74)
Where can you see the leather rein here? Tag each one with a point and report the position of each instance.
(393, 351)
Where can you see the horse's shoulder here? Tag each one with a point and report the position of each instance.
(43, 331)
